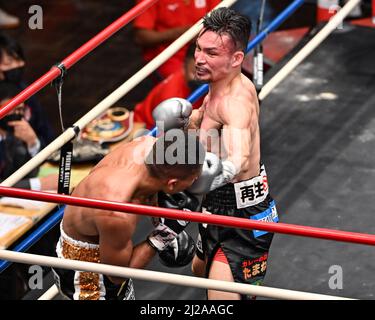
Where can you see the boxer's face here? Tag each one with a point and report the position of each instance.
(213, 56)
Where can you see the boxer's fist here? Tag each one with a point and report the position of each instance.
(212, 167)
(166, 230)
(179, 252)
(172, 113)
(181, 200)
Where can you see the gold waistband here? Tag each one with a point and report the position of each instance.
(74, 252)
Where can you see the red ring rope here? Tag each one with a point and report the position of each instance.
(234, 222)
(76, 55)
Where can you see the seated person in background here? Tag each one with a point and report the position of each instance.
(164, 22)
(179, 84)
(143, 172)
(12, 64)
(19, 143)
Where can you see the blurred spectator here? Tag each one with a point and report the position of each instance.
(164, 22)
(8, 21)
(12, 64)
(19, 143)
(179, 84)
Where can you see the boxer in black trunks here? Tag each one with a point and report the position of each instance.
(231, 110)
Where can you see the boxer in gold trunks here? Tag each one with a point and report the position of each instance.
(134, 172)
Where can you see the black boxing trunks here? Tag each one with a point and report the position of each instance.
(246, 250)
(79, 285)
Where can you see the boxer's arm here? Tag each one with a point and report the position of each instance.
(142, 255)
(237, 133)
(116, 245)
(116, 229)
(115, 242)
(196, 117)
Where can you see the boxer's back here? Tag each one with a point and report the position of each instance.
(115, 178)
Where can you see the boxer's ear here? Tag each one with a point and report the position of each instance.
(171, 184)
(237, 58)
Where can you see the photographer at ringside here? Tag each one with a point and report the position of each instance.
(19, 143)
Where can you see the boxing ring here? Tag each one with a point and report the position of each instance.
(153, 211)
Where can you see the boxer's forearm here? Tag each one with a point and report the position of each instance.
(142, 255)
(195, 119)
(236, 143)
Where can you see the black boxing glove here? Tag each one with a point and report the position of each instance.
(179, 252)
(166, 230)
(182, 201)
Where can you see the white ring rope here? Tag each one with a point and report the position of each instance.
(50, 293)
(163, 277)
(333, 23)
(109, 100)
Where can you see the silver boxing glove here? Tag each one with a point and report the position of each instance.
(212, 168)
(228, 172)
(172, 113)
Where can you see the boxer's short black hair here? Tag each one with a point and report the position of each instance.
(176, 154)
(227, 21)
